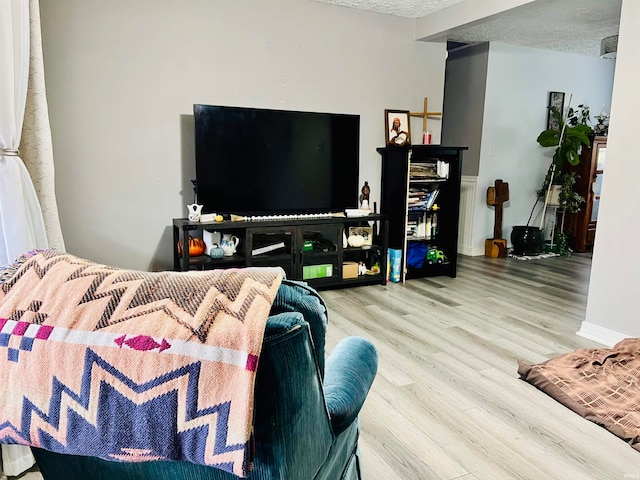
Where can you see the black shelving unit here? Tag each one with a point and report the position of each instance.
(307, 249)
(410, 175)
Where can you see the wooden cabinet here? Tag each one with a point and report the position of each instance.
(421, 197)
(312, 249)
(582, 225)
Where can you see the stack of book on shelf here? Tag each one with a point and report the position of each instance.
(413, 230)
(438, 170)
(431, 201)
(422, 228)
(423, 171)
(417, 198)
(421, 200)
(413, 222)
(419, 220)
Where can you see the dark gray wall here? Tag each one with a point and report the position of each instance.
(464, 95)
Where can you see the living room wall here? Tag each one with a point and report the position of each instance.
(463, 106)
(613, 303)
(122, 77)
(518, 82)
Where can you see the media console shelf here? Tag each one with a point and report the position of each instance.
(307, 249)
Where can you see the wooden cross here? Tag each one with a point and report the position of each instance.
(425, 114)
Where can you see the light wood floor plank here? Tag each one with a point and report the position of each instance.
(448, 403)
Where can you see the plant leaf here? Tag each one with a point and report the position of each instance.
(549, 138)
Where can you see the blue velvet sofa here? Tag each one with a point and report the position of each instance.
(306, 411)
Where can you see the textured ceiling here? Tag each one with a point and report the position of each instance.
(574, 26)
(402, 8)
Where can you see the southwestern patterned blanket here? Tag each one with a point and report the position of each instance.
(602, 385)
(132, 366)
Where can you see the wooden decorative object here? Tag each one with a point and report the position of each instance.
(425, 114)
(496, 247)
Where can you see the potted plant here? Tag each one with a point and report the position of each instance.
(567, 201)
(572, 134)
(569, 139)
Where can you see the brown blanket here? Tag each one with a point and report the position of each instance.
(602, 385)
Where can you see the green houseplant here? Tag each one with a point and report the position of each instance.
(572, 134)
(569, 139)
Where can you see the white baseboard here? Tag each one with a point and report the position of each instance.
(462, 250)
(471, 251)
(600, 334)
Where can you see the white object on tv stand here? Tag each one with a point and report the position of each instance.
(299, 216)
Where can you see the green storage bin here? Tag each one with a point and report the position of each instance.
(310, 272)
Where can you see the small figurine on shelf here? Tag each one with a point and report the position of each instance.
(364, 195)
(216, 251)
(364, 199)
(362, 268)
(195, 211)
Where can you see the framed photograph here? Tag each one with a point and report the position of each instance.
(397, 128)
(556, 99)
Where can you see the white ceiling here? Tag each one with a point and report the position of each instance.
(574, 26)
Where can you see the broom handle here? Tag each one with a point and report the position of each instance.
(546, 197)
(553, 166)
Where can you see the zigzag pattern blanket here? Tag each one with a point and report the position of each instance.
(132, 366)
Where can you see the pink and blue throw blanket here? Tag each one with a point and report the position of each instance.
(131, 366)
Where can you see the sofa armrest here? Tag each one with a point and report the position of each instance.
(350, 371)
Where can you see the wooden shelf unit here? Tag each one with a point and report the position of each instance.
(397, 183)
(590, 171)
(324, 235)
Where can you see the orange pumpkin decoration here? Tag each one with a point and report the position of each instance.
(196, 247)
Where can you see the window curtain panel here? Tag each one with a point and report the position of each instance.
(36, 146)
(21, 222)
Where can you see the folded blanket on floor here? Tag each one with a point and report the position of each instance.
(600, 384)
(131, 366)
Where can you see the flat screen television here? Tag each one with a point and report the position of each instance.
(252, 161)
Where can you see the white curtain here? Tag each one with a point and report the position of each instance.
(36, 146)
(21, 223)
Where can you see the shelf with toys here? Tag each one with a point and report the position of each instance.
(421, 197)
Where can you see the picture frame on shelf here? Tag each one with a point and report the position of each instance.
(397, 127)
(556, 99)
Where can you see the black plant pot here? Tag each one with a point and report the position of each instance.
(527, 240)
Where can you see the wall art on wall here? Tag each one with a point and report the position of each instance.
(556, 99)
(396, 123)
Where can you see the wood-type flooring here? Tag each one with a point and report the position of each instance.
(447, 402)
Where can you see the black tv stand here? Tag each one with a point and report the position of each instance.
(310, 248)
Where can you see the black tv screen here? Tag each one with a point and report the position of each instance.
(253, 161)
